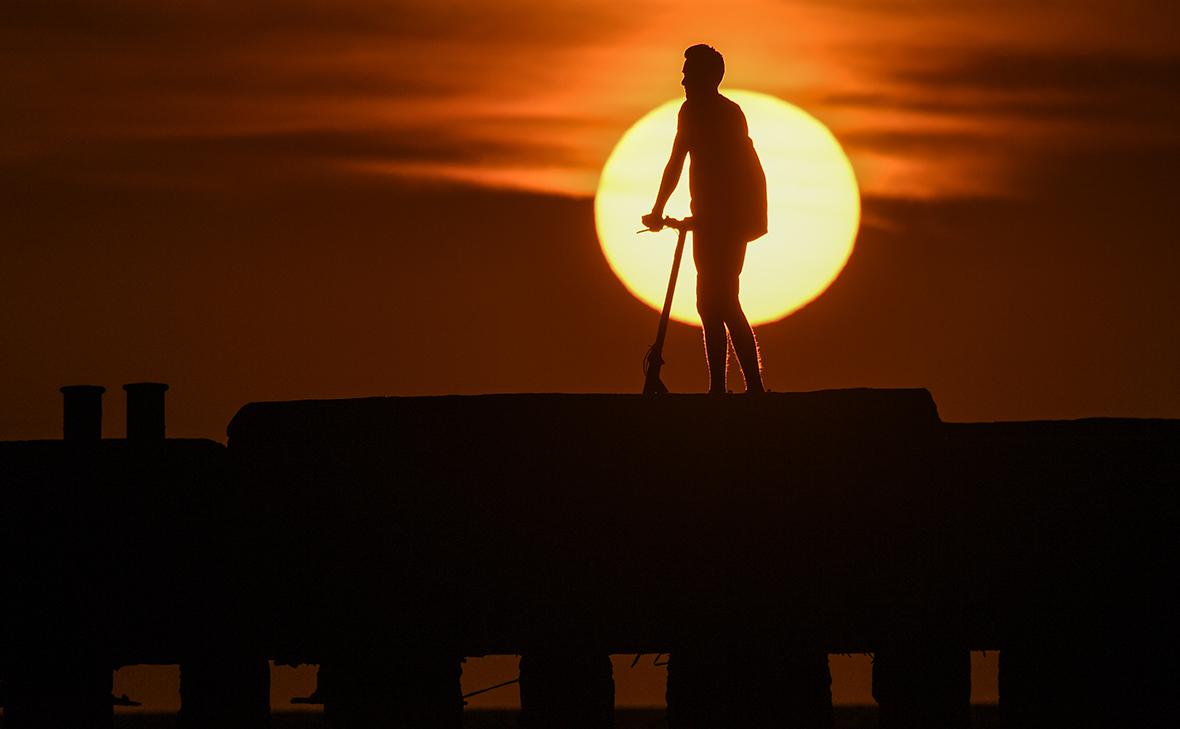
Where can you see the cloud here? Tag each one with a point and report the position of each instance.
(1085, 88)
(1057, 25)
(930, 98)
(442, 84)
(961, 117)
(78, 65)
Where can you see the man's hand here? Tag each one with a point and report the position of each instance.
(654, 221)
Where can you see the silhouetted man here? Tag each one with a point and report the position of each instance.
(728, 191)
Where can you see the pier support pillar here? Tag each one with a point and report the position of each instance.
(922, 685)
(394, 691)
(1083, 686)
(45, 693)
(1029, 688)
(1088, 685)
(219, 692)
(569, 689)
(790, 688)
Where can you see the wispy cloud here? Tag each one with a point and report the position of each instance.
(931, 99)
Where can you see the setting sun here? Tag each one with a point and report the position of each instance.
(813, 200)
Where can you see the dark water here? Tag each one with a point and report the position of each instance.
(847, 717)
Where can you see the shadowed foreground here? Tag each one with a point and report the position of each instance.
(846, 717)
(386, 538)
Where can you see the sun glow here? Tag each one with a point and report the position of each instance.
(813, 200)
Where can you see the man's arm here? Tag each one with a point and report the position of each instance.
(654, 219)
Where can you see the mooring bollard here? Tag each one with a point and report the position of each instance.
(82, 413)
(145, 411)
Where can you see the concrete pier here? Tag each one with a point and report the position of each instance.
(385, 537)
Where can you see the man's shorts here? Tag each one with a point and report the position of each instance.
(719, 257)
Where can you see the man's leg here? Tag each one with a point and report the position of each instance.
(745, 346)
(716, 345)
(710, 263)
(731, 259)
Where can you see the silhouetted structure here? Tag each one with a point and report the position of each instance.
(386, 538)
(82, 412)
(145, 410)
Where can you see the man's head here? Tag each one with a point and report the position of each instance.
(703, 69)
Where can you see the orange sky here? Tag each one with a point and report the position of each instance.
(295, 199)
(237, 199)
(931, 98)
